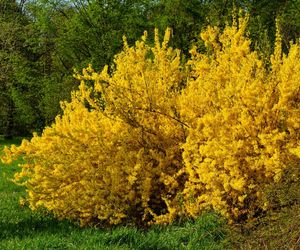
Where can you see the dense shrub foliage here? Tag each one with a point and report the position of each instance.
(155, 140)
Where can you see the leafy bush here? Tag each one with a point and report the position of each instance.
(155, 140)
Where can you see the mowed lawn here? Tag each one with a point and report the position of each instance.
(20, 228)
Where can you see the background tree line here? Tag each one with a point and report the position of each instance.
(42, 41)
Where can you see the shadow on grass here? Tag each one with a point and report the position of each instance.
(202, 234)
(34, 224)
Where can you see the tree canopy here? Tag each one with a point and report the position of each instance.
(43, 41)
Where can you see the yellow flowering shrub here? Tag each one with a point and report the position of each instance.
(244, 123)
(151, 140)
(114, 155)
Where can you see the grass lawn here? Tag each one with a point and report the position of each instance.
(20, 228)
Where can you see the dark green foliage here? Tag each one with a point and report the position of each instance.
(19, 90)
(262, 26)
(185, 18)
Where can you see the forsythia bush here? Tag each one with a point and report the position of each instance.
(155, 140)
(244, 123)
(114, 155)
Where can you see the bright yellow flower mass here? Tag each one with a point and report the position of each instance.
(152, 139)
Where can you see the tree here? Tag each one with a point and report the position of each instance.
(9, 45)
(20, 89)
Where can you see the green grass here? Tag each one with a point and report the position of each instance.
(20, 228)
